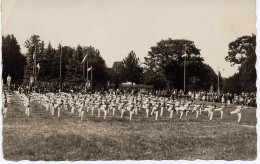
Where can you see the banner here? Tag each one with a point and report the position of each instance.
(89, 69)
(84, 58)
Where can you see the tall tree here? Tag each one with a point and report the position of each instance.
(242, 53)
(156, 78)
(116, 73)
(46, 63)
(13, 60)
(40, 60)
(59, 63)
(169, 56)
(132, 70)
(32, 44)
(232, 84)
(98, 65)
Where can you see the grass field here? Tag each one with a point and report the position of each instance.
(45, 137)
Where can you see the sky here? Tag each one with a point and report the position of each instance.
(115, 27)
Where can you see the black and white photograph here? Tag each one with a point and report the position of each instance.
(106, 80)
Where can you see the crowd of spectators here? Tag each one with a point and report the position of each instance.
(247, 99)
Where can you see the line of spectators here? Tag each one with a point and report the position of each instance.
(247, 99)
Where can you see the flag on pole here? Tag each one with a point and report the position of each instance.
(184, 55)
(89, 69)
(185, 49)
(84, 58)
(38, 65)
(34, 54)
(31, 79)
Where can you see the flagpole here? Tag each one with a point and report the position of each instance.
(60, 60)
(91, 76)
(34, 62)
(38, 69)
(218, 81)
(184, 73)
(87, 70)
(84, 69)
(35, 68)
(33, 59)
(184, 80)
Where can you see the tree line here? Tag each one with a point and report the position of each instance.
(163, 66)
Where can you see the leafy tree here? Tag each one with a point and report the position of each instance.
(67, 59)
(232, 84)
(155, 78)
(46, 63)
(128, 69)
(201, 76)
(40, 59)
(98, 65)
(59, 55)
(49, 60)
(116, 73)
(31, 44)
(132, 70)
(168, 57)
(13, 60)
(242, 53)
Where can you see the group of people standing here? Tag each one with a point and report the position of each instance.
(246, 99)
(126, 103)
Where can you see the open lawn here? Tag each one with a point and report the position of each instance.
(44, 137)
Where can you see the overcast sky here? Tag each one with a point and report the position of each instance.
(116, 27)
